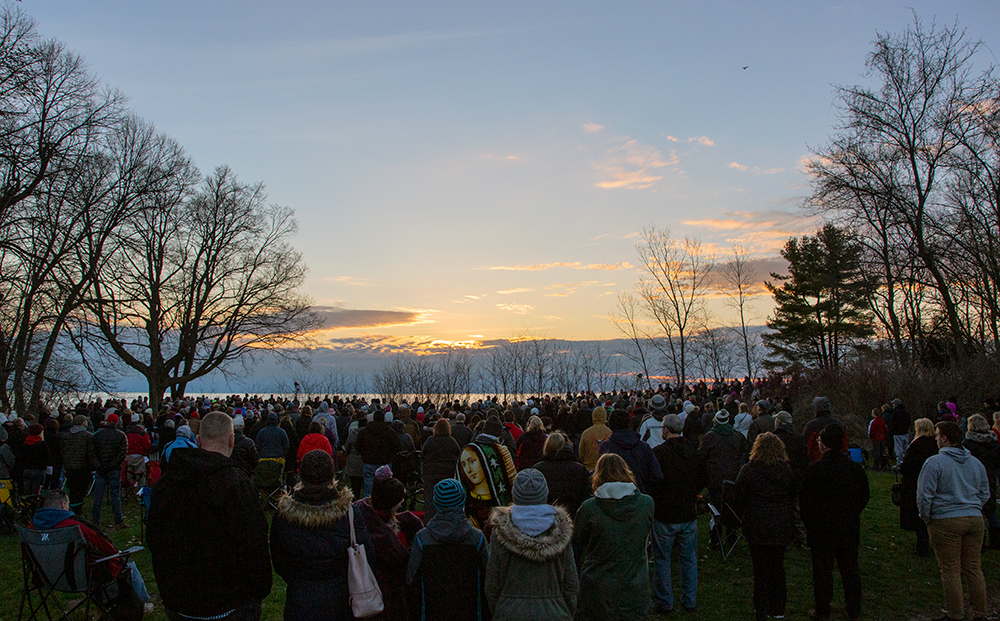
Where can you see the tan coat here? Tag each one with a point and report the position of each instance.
(591, 438)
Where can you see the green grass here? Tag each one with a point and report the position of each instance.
(897, 584)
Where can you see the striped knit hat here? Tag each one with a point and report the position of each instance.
(449, 493)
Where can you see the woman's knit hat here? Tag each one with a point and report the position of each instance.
(387, 492)
(530, 488)
(449, 493)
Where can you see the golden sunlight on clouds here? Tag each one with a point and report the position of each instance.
(592, 128)
(574, 265)
(737, 166)
(627, 165)
(553, 318)
(515, 290)
(517, 309)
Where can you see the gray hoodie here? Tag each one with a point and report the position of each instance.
(952, 484)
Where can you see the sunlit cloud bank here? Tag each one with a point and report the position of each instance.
(761, 231)
(757, 170)
(335, 318)
(630, 164)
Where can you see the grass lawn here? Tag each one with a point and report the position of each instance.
(897, 584)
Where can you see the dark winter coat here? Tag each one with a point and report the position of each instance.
(529, 448)
(110, 448)
(899, 425)
(637, 455)
(984, 447)
(378, 443)
(531, 577)
(310, 535)
(614, 579)
(916, 454)
(796, 449)
(765, 502)
(834, 493)
(724, 450)
(244, 453)
(461, 433)
(77, 446)
(448, 561)
(811, 433)
(207, 535)
(567, 478)
(685, 474)
(438, 456)
(34, 454)
(391, 558)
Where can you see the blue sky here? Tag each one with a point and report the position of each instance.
(425, 145)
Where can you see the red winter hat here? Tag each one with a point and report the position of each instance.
(112, 418)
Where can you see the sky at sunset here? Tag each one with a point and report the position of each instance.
(466, 171)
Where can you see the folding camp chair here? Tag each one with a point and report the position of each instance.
(406, 466)
(725, 515)
(145, 493)
(55, 561)
(268, 478)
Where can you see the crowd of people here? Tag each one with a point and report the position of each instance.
(530, 509)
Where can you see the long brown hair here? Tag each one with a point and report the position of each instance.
(611, 468)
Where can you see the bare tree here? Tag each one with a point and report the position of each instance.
(739, 279)
(674, 280)
(199, 281)
(626, 319)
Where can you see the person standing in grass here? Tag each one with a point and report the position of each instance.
(923, 447)
(951, 491)
(765, 502)
(834, 493)
(612, 529)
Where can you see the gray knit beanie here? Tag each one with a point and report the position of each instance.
(530, 488)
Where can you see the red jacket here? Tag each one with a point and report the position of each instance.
(312, 442)
(138, 443)
(877, 429)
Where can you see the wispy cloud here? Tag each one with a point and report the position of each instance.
(592, 128)
(631, 165)
(762, 231)
(553, 318)
(704, 141)
(757, 170)
(517, 309)
(349, 280)
(515, 290)
(673, 139)
(573, 265)
(493, 156)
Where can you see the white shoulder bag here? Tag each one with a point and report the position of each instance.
(366, 596)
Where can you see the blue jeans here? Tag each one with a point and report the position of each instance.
(138, 584)
(369, 477)
(665, 536)
(113, 482)
(899, 444)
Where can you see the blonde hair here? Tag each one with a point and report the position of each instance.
(768, 449)
(923, 427)
(611, 468)
(535, 423)
(978, 424)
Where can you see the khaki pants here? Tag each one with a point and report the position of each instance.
(957, 544)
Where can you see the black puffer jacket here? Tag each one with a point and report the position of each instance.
(110, 448)
(567, 478)
(207, 535)
(765, 501)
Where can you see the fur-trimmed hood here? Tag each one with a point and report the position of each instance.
(312, 514)
(542, 548)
